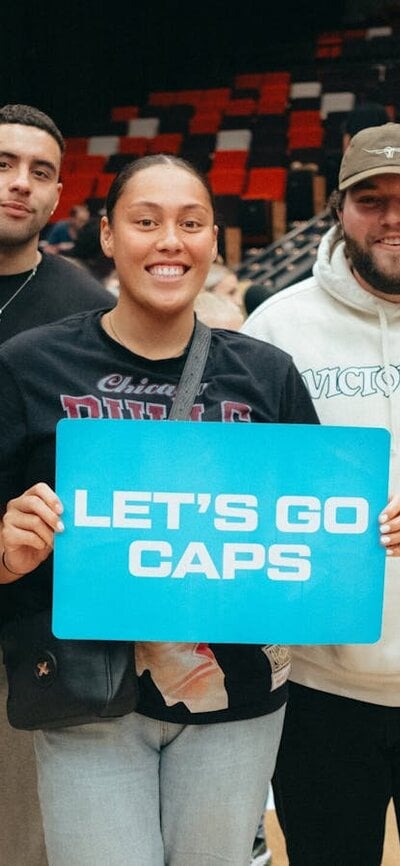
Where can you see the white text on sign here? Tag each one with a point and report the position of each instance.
(229, 513)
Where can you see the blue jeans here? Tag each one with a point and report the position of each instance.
(138, 792)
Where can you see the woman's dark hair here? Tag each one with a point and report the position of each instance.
(118, 185)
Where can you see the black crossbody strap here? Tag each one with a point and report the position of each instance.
(191, 375)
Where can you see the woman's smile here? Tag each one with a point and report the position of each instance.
(168, 271)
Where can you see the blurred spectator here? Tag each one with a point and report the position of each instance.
(362, 116)
(223, 281)
(62, 235)
(88, 253)
(218, 311)
(254, 295)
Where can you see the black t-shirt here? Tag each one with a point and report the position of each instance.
(58, 289)
(74, 369)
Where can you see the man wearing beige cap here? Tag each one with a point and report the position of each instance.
(339, 760)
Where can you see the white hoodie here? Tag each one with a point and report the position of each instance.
(346, 344)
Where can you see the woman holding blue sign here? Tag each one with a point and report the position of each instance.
(184, 777)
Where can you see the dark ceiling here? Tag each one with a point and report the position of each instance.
(81, 58)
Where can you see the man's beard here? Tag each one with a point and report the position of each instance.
(365, 266)
(14, 236)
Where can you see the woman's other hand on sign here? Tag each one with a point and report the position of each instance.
(389, 528)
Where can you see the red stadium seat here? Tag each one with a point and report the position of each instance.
(83, 163)
(266, 183)
(133, 144)
(124, 112)
(227, 181)
(76, 144)
(207, 121)
(166, 142)
(229, 159)
(102, 184)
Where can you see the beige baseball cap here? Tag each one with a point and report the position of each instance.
(375, 150)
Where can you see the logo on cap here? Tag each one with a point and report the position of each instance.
(389, 152)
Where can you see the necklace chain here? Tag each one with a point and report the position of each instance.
(121, 342)
(117, 337)
(22, 286)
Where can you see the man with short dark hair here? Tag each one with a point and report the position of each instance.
(339, 760)
(35, 289)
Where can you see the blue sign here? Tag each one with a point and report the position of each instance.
(211, 532)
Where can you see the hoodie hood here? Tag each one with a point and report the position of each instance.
(332, 272)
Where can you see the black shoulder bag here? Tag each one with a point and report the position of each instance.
(54, 683)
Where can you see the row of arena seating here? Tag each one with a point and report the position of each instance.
(269, 141)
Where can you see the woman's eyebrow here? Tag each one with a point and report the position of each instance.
(156, 206)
